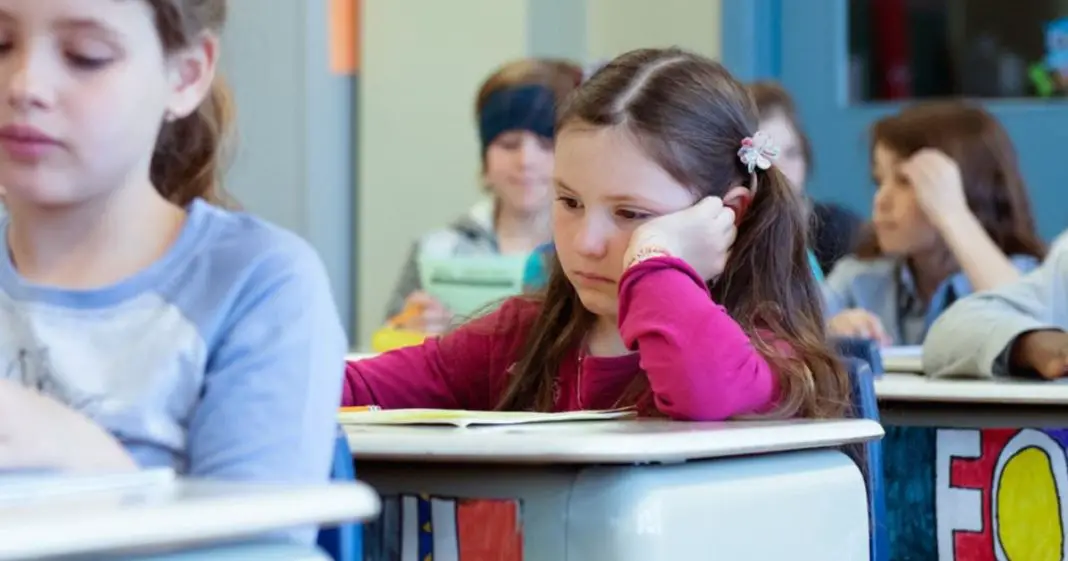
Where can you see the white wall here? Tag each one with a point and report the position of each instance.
(418, 162)
(417, 146)
(616, 26)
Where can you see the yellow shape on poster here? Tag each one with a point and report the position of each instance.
(1029, 511)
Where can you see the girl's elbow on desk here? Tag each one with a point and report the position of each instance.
(707, 403)
(694, 410)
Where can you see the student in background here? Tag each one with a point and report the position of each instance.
(951, 216)
(1016, 329)
(143, 324)
(515, 108)
(834, 229)
(656, 298)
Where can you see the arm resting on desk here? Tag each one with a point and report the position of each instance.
(465, 369)
(974, 337)
(701, 365)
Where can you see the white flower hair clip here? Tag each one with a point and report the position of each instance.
(758, 151)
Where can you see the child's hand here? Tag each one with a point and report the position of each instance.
(423, 313)
(37, 431)
(936, 181)
(701, 235)
(860, 324)
(1045, 352)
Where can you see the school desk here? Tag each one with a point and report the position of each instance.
(975, 469)
(261, 551)
(620, 490)
(173, 517)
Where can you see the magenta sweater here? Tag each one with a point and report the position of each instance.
(700, 364)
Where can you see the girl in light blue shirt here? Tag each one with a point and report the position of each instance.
(950, 216)
(142, 324)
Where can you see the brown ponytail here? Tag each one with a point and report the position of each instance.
(769, 287)
(191, 153)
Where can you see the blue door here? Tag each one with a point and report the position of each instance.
(850, 62)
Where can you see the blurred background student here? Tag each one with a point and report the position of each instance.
(515, 109)
(951, 216)
(834, 229)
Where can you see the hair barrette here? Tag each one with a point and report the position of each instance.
(758, 151)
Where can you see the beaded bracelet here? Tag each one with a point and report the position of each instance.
(646, 252)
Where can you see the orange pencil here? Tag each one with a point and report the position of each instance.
(407, 315)
(360, 409)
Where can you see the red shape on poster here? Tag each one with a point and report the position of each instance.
(978, 474)
(489, 530)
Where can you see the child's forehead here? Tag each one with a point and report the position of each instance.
(609, 162)
(885, 155)
(598, 154)
(120, 17)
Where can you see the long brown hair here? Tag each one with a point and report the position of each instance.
(993, 186)
(690, 116)
(191, 152)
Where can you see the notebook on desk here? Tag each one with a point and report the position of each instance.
(463, 419)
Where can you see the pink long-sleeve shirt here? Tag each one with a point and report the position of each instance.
(701, 366)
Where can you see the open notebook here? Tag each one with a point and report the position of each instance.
(462, 419)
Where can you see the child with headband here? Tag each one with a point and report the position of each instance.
(515, 109)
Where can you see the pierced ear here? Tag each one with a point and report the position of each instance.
(738, 199)
(192, 71)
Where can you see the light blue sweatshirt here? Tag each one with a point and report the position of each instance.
(975, 336)
(224, 359)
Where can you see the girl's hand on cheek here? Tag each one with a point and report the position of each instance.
(701, 235)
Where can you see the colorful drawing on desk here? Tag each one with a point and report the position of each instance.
(424, 528)
(977, 495)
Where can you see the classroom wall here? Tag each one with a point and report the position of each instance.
(616, 26)
(293, 164)
(418, 158)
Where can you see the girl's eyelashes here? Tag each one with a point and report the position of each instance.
(87, 63)
(629, 214)
(74, 58)
(568, 202)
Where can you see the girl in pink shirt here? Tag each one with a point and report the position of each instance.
(680, 283)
